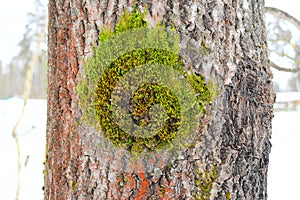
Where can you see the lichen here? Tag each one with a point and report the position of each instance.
(203, 50)
(228, 196)
(204, 182)
(163, 191)
(97, 85)
(73, 185)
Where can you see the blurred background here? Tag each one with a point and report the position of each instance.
(23, 66)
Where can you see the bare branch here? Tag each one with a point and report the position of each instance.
(26, 93)
(284, 55)
(283, 15)
(288, 42)
(294, 70)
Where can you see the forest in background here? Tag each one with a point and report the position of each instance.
(33, 44)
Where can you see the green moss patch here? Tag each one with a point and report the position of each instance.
(167, 94)
(143, 99)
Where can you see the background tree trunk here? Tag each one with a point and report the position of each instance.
(229, 158)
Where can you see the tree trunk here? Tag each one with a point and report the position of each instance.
(227, 159)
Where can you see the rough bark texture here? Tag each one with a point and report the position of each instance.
(234, 143)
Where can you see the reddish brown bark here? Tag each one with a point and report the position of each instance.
(235, 140)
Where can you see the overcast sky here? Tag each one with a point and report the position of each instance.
(13, 20)
(289, 6)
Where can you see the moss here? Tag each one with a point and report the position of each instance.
(228, 196)
(204, 182)
(44, 167)
(143, 99)
(128, 21)
(117, 54)
(205, 91)
(203, 49)
(73, 185)
(163, 191)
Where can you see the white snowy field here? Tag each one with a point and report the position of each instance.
(284, 167)
(32, 141)
(284, 172)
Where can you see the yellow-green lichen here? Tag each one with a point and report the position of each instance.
(203, 49)
(163, 191)
(204, 182)
(104, 69)
(73, 185)
(228, 196)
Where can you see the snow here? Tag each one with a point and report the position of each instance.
(284, 165)
(287, 96)
(32, 141)
(284, 173)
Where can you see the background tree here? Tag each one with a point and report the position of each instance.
(295, 79)
(3, 79)
(14, 77)
(228, 158)
(284, 44)
(22, 61)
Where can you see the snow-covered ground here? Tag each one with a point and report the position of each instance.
(32, 141)
(284, 173)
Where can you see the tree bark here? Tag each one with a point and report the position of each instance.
(229, 157)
